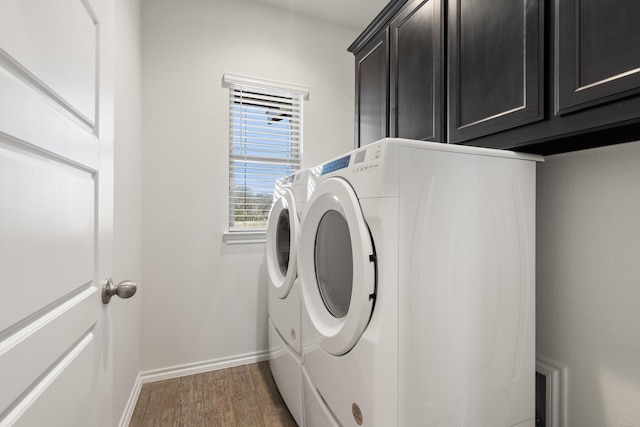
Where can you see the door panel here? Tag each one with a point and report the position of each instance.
(417, 63)
(58, 397)
(57, 330)
(50, 202)
(597, 59)
(372, 90)
(495, 66)
(56, 172)
(55, 42)
(57, 131)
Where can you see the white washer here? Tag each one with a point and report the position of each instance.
(416, 264)
(285, 359)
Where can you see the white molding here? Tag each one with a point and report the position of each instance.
(244, 237)
(200, 367)
(238, 79)
(131, 403)
(556, 392)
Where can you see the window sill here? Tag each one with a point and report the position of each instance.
(244, 237)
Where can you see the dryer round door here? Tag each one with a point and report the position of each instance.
(282, 238)
(337, 266)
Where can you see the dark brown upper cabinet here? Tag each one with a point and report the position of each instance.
(495, 66)
(417, 67)
(399, 69)
(372, 90)
(539, 76)
(597, 52)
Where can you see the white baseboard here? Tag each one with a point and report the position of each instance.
(199, 367)
(184, 370)
(131, 403)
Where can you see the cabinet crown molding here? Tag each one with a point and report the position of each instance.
(378, 22)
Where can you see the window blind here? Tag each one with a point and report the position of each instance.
(265, 143)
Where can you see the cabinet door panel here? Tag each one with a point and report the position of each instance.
(416, 72)
(597, 55)
(495, 66)
(372, 93)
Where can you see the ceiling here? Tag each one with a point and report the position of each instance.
(353, 13)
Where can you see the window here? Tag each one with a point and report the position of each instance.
(265, 143)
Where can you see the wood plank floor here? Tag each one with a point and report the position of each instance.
(244, 396)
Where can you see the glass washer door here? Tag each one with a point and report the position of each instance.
(334, 263)
(282, 237)
(336, 266)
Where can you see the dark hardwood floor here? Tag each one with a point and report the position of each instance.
(244, 396)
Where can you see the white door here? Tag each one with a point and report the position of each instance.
(56, 173)
(337, 266)
(282, 244)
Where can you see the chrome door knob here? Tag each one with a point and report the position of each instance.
(124, 289)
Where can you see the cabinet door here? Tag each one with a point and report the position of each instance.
(495, 64)
(372, 90)
(597, 55)
(416, 72)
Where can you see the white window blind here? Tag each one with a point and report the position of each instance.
(265, 143)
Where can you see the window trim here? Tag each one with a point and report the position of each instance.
(256, 235)
(229, 79)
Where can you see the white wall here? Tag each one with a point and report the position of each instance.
(125, 314)
(588, 280)
(204, 300)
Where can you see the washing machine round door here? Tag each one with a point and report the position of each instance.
(337, 266)
(282, 239)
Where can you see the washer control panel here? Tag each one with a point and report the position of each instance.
(335, 165)
(367, 159)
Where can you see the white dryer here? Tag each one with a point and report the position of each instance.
(290, 195)
(416, 265)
